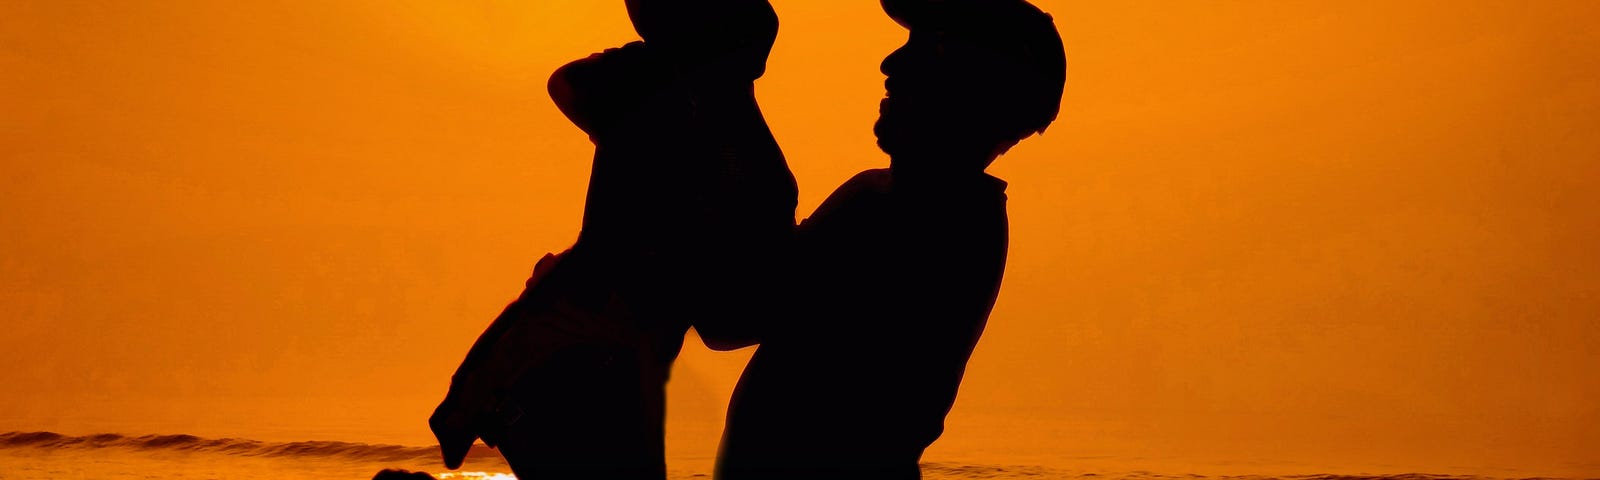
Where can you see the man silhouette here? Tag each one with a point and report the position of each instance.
(902, 265)
(688, 219)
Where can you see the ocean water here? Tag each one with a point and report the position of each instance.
(49, 455)
(110, 456)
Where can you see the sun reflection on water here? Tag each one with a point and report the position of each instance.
(475, 476)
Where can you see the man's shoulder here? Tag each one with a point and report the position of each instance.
(852, 198)
(877, 180)
(863, 187)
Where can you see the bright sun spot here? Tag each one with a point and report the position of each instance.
(476, 475)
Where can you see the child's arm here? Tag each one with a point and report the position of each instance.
(599, 92)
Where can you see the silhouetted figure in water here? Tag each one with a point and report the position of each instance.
(901, 265)
(688, 221)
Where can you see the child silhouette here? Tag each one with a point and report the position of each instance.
(688, 219)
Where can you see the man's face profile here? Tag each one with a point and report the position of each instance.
(945, 93)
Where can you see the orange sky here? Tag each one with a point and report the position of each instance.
(1328, 235)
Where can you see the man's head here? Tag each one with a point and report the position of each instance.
(730, 37)
(974, 78)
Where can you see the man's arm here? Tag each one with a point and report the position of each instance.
(718, 49)
(817, 241)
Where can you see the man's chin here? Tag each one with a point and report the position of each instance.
(877, 132)
(886, 139)
(890, 133)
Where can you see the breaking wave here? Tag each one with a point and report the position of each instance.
(232, 446)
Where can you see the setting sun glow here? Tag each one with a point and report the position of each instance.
(1263, 237)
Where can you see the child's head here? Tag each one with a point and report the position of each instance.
(719, 37)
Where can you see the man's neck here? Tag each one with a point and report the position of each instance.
(935, 170)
